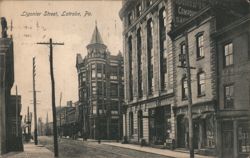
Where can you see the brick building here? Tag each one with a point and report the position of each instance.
(233, 50)
(148, 71)
(100, 78)
(156, 81)
(10, 119)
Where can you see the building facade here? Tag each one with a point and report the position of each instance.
(100, 78)
(148, 72)
(10, 120)
(156, 91)
(233, 117)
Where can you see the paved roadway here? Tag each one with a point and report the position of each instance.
(74, 148)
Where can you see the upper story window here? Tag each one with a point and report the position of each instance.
(150, 56)
(149, 3)
(201, 83)
(184, 88)
(139, 61)
(200, 45)
(182, 57)
(130, 18)
(138, 10)
(229, 96)
(130, 52)
(228, 54)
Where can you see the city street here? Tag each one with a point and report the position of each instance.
(77, 148)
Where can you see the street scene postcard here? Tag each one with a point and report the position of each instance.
(125, 79)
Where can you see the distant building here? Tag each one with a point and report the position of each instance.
(10, 107)
(100, 80)
(40, 127)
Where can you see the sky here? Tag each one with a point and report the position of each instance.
(30, 25)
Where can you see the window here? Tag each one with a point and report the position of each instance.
(184, 88)
(228, 54)
(130, 18)
(131, 124)
(150, 56)
(130, 68)
(139, 61)
(182, 57)
(229, 96)
(113, 90)
(163, 53)
(138, 10)
(200, 45)
(149, 2)
(201, 83)
(113, 73)
(244, 137)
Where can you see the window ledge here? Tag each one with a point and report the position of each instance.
(201, 95)
(184, 99)
(199, 58)
(228, 66)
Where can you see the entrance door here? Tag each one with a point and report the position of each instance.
(227, 139)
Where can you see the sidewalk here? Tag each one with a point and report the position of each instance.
(30, 151)
(164, 152)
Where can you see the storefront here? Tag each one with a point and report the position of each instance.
(159, 124)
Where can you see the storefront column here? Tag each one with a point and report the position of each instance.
(235, 142)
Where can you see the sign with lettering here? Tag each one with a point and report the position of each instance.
(184, 9)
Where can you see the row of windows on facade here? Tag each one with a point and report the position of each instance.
(100, 107)
(150, 56)
(227, 51)
(137, 12)
(228, 90)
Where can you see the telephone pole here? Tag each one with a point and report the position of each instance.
(190, 121)
(50, 43)
(34, 100)
(184, 58)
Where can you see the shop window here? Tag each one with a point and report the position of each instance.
(209, 121)
(140, 123)
(201, 83)
(229, 96)
(200, 45)
(228, 54)
(131, 124)
(244, 137)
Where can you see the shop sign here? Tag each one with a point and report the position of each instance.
(184, 9)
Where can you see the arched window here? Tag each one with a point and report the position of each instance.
(163, 48)
(130, 56)
(150, 56)
(139, 61)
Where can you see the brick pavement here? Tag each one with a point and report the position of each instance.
(30, 151)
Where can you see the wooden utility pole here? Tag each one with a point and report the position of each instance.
(60, 104)
(190, 121)
(50, 43)
(17, 112)
(34, 100)
(184, 58)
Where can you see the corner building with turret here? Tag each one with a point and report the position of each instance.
(100, 79)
